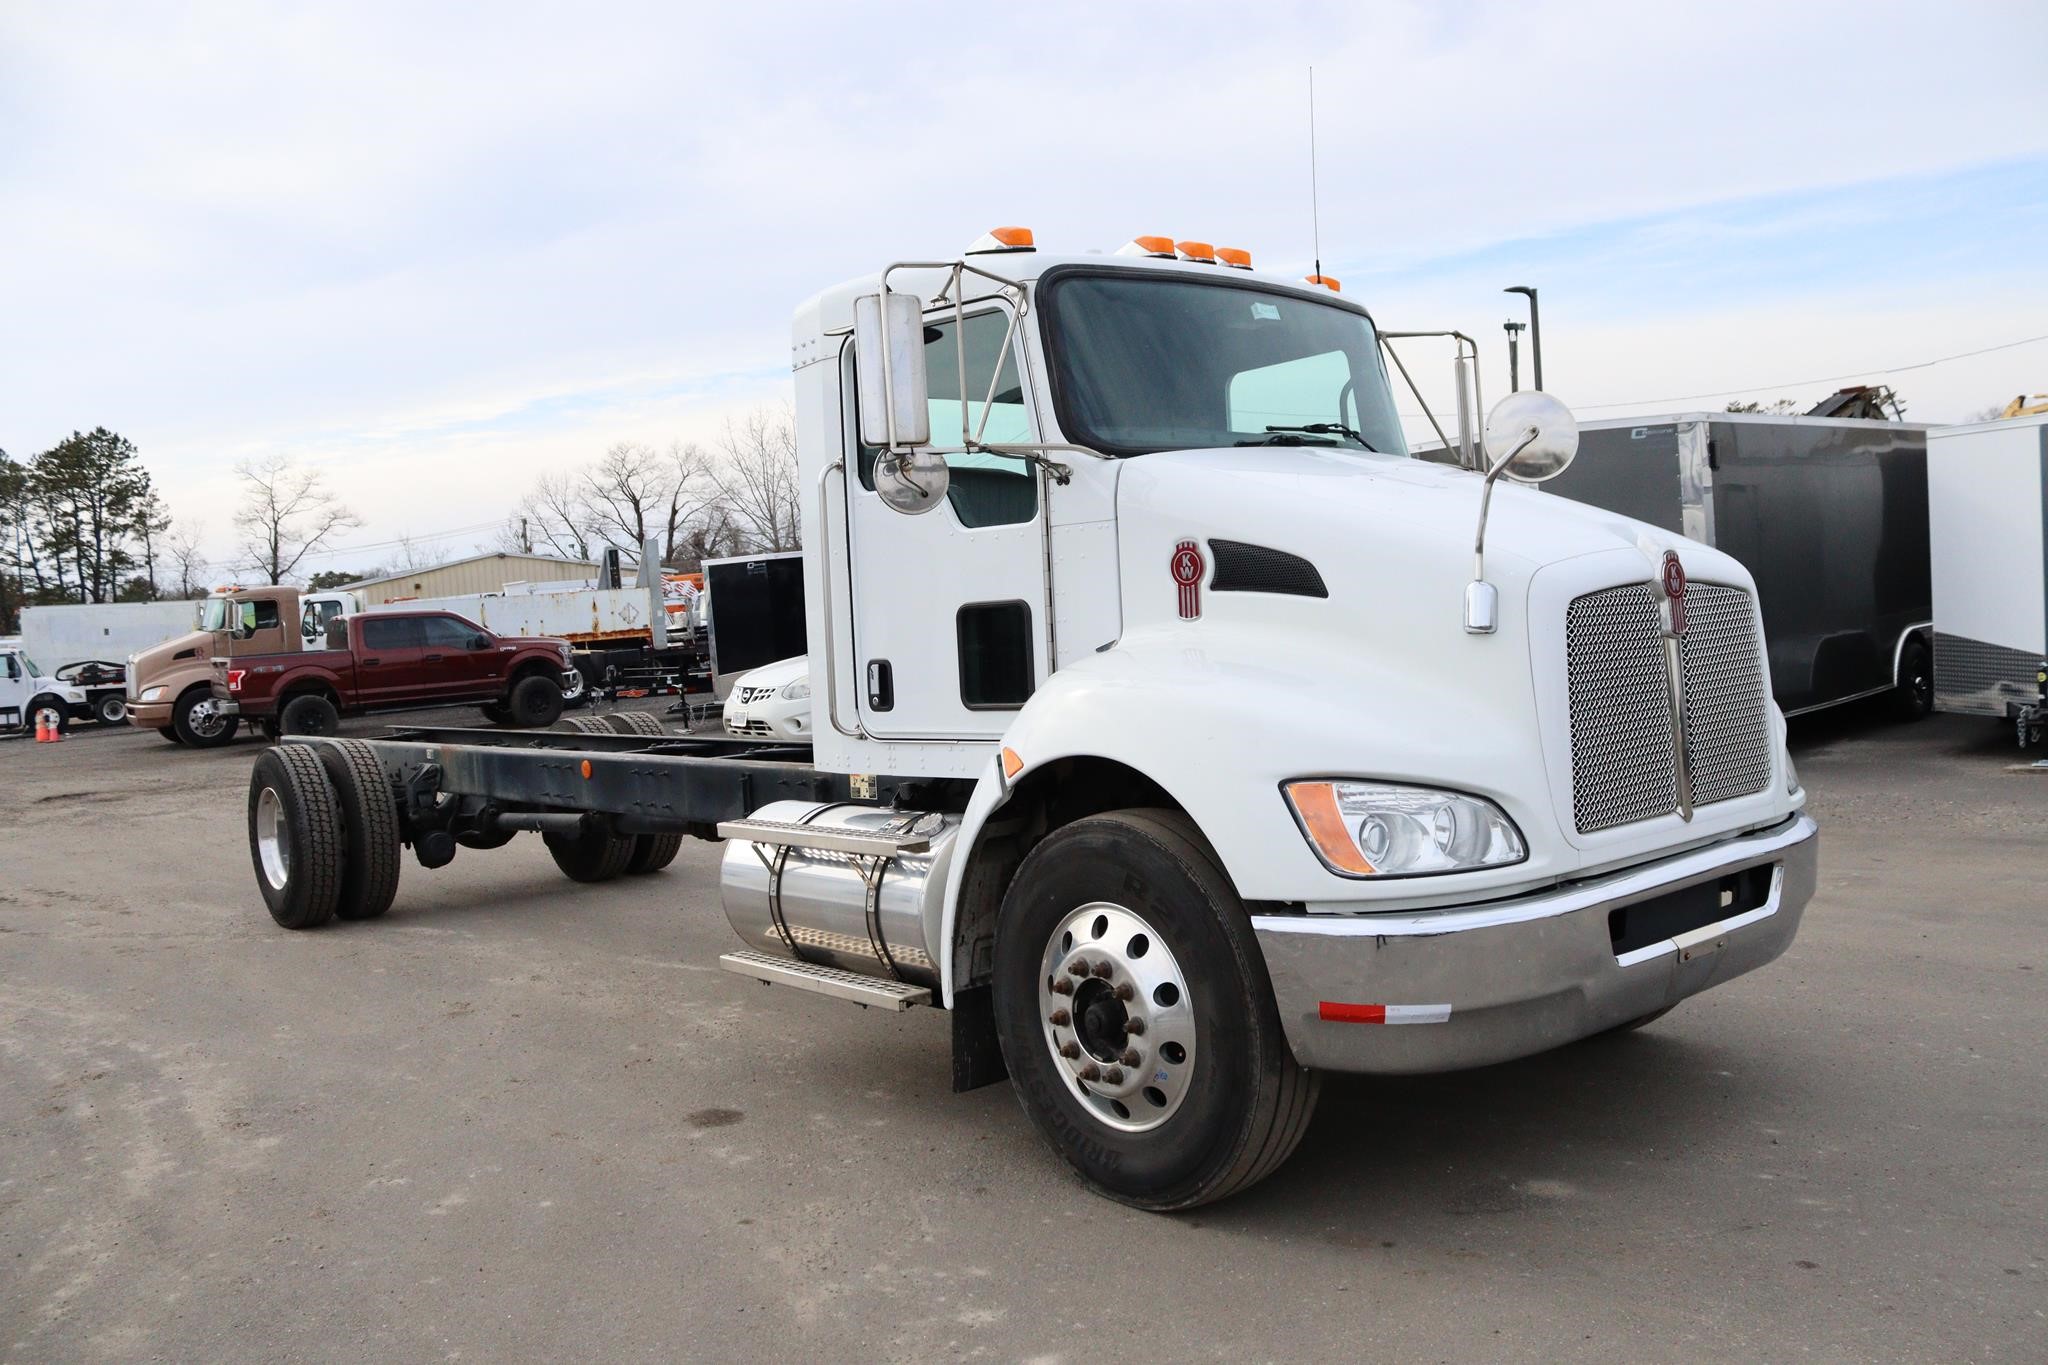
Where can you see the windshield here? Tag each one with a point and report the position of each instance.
(214, 616)
(1159, 362)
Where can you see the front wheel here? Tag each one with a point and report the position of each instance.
(1137, 1018)
(199, 721)
(535, 703)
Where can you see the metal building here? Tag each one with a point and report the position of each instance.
(478, 573)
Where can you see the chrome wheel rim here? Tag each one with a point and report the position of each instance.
(48, 716)
(205, 719)
(273, 839)
(1117, 1016)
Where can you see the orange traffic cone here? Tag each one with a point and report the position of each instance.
(42, 727)
(56, 730)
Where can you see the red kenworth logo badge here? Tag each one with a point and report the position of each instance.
(1187, 573)
(1674, 589)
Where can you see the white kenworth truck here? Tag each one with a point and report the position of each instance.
(1173, 729)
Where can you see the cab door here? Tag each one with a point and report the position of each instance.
(452, 662)
(949, 609)
(388, 669)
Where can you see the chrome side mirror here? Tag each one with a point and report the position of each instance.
(888, 344)
(1530, 437)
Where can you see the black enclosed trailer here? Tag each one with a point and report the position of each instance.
(753, 613)
(1829, 514)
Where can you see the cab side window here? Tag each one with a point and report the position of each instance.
(984, 489)
(13, 667)
(391, 632)
(446, 632)
(259, 615)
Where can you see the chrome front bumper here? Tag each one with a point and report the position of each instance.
(1473, 985)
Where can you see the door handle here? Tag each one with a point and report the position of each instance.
(368, 662)
(431, 658)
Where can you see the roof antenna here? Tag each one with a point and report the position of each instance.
(1315, 226)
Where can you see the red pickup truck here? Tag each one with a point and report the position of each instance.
(388, 661)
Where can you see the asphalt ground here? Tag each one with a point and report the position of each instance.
(525, 1119)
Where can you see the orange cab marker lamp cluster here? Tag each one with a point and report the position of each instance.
(1013, 763)
(1334, 286)
(1317, 802)
(1196, 251)
(1235, 257)
(1161, 247)
(1002, 239)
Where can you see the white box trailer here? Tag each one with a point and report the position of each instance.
(590, 617)
(58, 637)
(1987, 511)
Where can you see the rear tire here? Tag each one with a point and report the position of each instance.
(369, 878)
(110, 708)
(535, 703)
(596, 855)
(308, 714)
(199, 723)
(1226, 1102)
(589, 725)
(495, 713)
(1913, 698)
(296, 836)
(653, 852)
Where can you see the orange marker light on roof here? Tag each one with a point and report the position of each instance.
(1161, 247)
(1234, 256)
(1334, 286)
(1002, 239)
(1197, 251)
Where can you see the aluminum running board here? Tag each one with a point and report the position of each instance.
(849, 986)
(789, 834)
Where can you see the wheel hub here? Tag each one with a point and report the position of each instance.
(1118, 1016)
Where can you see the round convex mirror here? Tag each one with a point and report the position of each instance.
(911, 481)
(1539, 429)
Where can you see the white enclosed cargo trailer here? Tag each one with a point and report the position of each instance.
(1987, 507)
(109, 631)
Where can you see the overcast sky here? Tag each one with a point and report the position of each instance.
(439, 249)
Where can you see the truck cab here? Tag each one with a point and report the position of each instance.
(170, 686)
(28, 696)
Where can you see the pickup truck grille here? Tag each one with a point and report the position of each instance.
(1624, 755)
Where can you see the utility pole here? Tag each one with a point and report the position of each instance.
(1535, 332)
(1514, 331)
(525, 540)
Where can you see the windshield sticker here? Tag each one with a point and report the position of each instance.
(1266, 312)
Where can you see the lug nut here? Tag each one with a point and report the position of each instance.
(1091, 1072)
(1131, 1057)
(1062, 986)
(1070, 1050)
(1079, 966)
(1124, 991)
(1060, 1018)
(1113, 1076)
(1104, 969)
(1134, 1027)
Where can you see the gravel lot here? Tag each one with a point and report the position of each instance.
(521, 1118)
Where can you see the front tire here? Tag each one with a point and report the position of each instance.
(47, 710)
(1128, 918)
(199, 723)
(535, 703)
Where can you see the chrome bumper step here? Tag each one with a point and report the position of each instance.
(828, 981)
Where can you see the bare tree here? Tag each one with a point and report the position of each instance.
(186, 561)
(756, 478)
(552, 519)
(634, 493)
(286, 514)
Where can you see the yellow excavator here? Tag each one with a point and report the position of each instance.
(2026, 405)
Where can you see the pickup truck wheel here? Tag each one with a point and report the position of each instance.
(296, 836)
(199, 722)
(535, 703)
(495, 714)
(596, 855)
(653, 852)
(369, 811)
(637, 723)
(308, 714)
(110, 708)
(1136, 1016)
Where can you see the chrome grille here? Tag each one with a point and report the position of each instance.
(1624, 755)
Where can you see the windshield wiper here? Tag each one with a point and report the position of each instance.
(1327, 429)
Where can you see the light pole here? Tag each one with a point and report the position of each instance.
(1535, 332)
(1514, 331)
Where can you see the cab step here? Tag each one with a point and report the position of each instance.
(790, 834)
(805, 976)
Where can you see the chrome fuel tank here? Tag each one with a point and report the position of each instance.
(837, 909)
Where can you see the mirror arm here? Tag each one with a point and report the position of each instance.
(1482, 600)
(1395, 356)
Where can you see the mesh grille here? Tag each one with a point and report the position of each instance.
(1624, 763)
(1259, 568)
(1727, 729)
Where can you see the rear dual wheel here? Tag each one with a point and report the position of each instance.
(1136, 1016)
(323, 833)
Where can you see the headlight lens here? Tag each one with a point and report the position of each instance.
(1382, 829)
(152, 694)
(798, 690)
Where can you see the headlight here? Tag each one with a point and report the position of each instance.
(1380, 829)
(797, 690)
(568, 655)
(153, 693)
